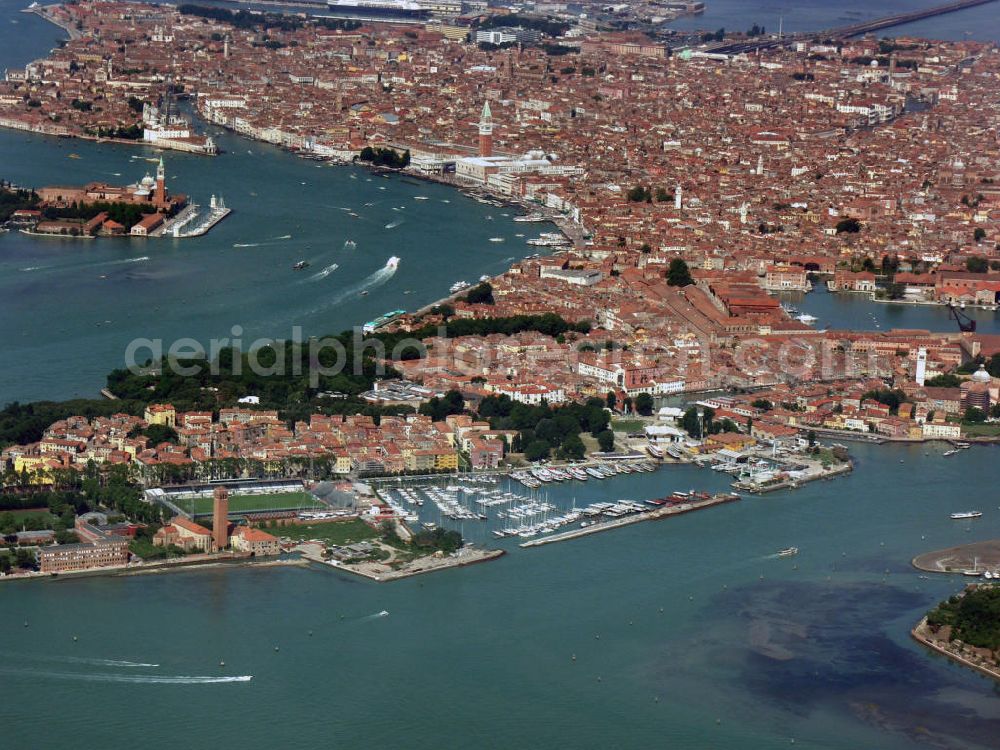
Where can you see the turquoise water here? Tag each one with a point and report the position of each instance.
(71, 307)
(817, 651)
(858, 312)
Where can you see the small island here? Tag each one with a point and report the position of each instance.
(966, 628)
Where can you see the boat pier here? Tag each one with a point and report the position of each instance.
(652, 515)
(191, 214)
(762, 488)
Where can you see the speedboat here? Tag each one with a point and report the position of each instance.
(788, 552)
(966, 514)
(300, 265)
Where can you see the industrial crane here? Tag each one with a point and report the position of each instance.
(965, 323)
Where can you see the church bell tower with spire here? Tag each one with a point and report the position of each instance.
(486, 131)
(161, 183)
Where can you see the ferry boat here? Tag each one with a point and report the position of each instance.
(788, 552)
(300, 265)
(533, 218)
(806, 318)
(548, 239)
(458, 286)
(966, 514)
(381, 320)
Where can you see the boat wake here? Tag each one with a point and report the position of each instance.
(319, 275)
(29, 269)
(90, 660)
(377, 279)
(284, 237)
(140, 259)
(376, 616)
(246, 244)
(109, 662)
(132, 679)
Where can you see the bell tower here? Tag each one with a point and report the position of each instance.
(161, 183)
(486, 131)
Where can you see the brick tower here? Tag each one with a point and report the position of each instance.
(486, 131)
(161, 184)
(220, 518)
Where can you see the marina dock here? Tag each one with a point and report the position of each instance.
(652, 515)
(791, 484)
(192, 215)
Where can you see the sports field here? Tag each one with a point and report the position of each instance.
(249, 503)
(334, 532)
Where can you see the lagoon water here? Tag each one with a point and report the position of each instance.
(748, 652)
(70, 307)
(981, 23)
(858, 312)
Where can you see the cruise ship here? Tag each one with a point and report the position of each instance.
(378, 10)
(459, 286)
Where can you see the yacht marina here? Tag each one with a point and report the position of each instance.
(484, 506)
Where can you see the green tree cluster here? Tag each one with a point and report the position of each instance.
(678, 273)
(848, 226)
(12, 200)
(890, 397)
(385, 157)
(438, 540)
(974, 617)
(439, 408)
(481, 294)
(543, 429)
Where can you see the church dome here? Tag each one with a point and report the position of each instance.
(981, 376)
(147, 181)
